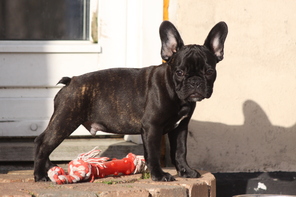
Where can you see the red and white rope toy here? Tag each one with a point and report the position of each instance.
(86, 167)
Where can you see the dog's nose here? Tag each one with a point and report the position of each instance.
(195, 84)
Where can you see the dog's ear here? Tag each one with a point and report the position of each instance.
(171, 40)
(216, 38)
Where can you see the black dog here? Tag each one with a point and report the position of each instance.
(151, 101)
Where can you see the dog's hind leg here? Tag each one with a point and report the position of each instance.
(45, 143)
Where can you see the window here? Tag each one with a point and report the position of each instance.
(44, 20)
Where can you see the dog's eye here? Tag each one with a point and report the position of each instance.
(180, 73)
(210, 72)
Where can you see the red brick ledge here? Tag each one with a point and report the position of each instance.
(21, 184)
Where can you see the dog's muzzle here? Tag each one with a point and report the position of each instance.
(195, 97)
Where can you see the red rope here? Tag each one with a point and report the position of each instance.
(86, 168)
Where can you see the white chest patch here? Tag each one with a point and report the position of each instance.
(178, 122)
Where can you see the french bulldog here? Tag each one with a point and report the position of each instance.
(150, 101)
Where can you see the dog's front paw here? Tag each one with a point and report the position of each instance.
(189, 173)
(163, 177)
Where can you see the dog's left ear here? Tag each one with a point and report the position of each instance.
(216, 38)
(171, 40)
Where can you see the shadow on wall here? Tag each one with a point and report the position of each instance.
(257, 145)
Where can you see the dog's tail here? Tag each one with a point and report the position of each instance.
(65, 80)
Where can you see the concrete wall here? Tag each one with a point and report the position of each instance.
(249, 123)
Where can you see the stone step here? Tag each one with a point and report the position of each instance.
(20, 183)
(23, 150)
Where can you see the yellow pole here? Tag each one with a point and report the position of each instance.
(163, 140)
(166, 9)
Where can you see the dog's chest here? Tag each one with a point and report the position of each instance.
(183, 113)
(182, 118)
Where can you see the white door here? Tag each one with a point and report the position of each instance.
(36, 51)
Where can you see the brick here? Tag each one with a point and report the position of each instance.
(167, 191)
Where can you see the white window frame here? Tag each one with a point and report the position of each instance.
(49, 47)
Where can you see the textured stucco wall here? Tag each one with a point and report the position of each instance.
(249, 123)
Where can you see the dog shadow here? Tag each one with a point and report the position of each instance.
(257, 145)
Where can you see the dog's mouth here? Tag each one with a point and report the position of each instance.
(196, 97)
